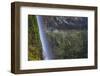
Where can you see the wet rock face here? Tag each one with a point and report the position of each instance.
(62, 22)
(67, 36)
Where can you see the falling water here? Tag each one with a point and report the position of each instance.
(47, 54)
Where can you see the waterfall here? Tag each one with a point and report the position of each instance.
(47, 54)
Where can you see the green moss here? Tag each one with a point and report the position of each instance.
(34, 53)
(34, 43)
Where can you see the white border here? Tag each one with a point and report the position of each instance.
(25, 64)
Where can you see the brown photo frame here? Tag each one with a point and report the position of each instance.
(15, 37)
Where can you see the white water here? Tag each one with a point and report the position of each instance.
(47, 54)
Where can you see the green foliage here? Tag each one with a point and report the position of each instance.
(34, 53)
(34, 43)
(68, 44)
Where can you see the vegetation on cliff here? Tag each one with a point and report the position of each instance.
(34, 43)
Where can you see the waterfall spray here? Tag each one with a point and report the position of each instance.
(47, 54)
